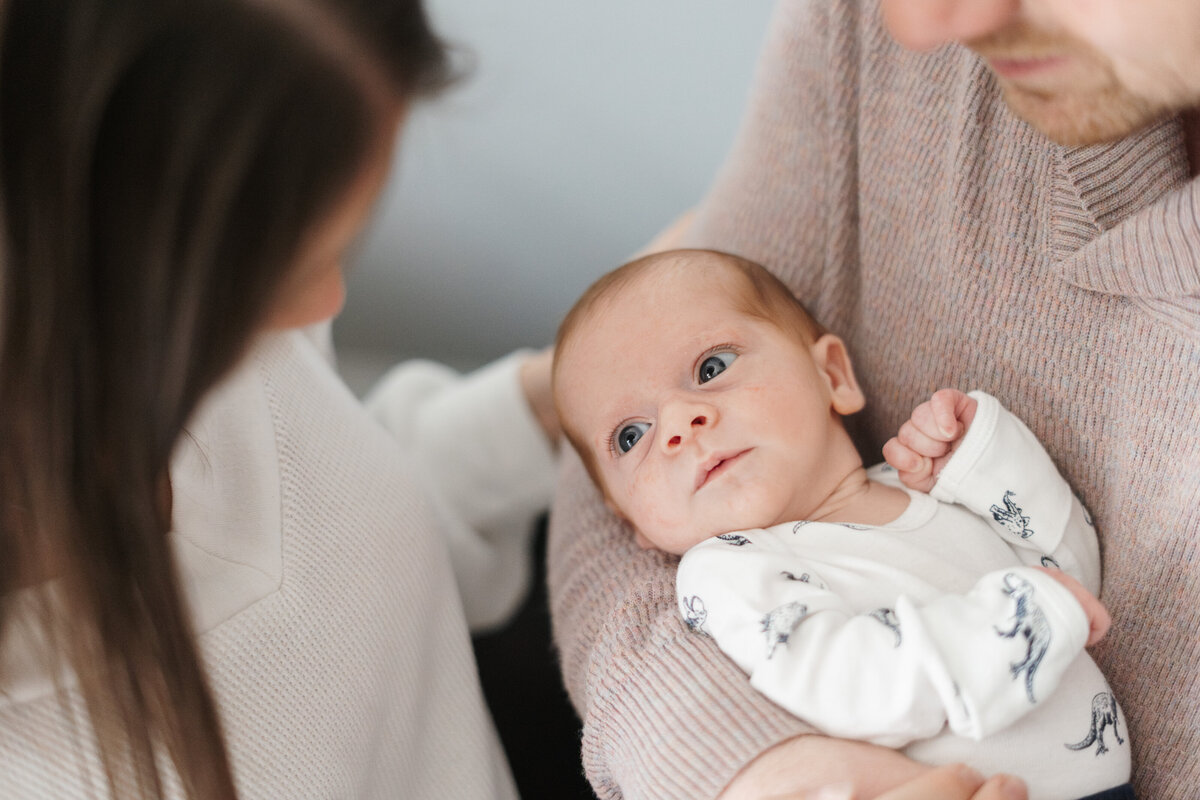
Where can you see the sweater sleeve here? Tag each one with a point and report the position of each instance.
(487, 465)
(666, 715)
(1002, 473)
(891, 675)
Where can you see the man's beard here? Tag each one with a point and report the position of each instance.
(1096, 110)
(1083, 118)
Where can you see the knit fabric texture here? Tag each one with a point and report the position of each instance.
(331, 623)
(950, 244)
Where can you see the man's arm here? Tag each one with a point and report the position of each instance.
(665, 714)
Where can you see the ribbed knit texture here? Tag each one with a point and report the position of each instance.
(951, 245)
(350, 675)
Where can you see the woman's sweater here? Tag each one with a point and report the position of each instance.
(317, 568)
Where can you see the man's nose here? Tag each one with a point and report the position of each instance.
(682, 420)
(925, 24)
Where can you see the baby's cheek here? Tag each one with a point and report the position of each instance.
(654, 509)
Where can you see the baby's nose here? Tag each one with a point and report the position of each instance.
(684, 432)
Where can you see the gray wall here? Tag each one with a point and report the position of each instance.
(583, 129)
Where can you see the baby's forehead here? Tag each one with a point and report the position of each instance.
(651, 301)
(672, 283)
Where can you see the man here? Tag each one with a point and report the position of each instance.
(1014, 211)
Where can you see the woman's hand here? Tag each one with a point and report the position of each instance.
(535, 383)
(951, 782)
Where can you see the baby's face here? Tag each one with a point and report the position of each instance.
(701, 418)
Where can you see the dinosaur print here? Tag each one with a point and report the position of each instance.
(694, 614)
(1048, 561)
(888, 618)
(803, 577)
(735, 539)
(779, 624)
(1012, 517)
(1104, 713)
(1028, 621)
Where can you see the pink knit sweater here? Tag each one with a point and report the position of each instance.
(950, 245)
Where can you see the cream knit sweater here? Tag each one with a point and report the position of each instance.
(319, 570)
(951, 245)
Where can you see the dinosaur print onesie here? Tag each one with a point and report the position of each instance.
(935, 633)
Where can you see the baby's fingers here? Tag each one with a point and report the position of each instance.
(936, 418)
(915, 470)
(915, 437)
(903, 459)
(953, 410)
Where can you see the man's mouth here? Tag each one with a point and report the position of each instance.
(1018, 68)
(717, 465)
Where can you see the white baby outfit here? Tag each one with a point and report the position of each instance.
(932, 633)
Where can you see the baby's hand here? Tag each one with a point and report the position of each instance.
(926, 442)
(1097, 615)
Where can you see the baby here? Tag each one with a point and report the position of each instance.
(907, 605)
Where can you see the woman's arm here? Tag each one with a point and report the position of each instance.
(482, 449)
(665, 713)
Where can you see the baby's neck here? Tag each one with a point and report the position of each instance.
(858, 499)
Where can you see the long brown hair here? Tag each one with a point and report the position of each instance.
(160, 164)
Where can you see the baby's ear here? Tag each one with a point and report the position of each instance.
(833, 362)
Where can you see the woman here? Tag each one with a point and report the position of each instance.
(220, 577)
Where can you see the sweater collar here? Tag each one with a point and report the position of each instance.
(1125, 216)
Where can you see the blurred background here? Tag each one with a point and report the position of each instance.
(581, 130)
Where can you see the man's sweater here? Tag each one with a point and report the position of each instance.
(951, 245)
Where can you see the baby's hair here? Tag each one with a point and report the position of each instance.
(765, 297)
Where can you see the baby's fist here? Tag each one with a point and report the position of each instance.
(926, 442)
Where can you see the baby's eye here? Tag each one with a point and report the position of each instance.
(714, 365)
(629, 435)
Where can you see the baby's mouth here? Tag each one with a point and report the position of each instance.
(717, 465)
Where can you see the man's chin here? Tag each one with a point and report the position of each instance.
(1077, 120)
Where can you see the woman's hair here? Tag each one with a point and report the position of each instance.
(161, 164)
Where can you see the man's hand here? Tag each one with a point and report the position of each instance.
(951, 782)
(1097, 615)
(926, 442)
(823, 768)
